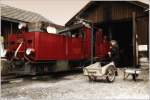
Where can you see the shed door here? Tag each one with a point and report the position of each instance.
(122, 33)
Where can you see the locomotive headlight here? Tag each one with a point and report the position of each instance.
(29, 51)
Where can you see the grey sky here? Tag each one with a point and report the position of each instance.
(58, 11)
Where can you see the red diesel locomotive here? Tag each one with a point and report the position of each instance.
(41, 52)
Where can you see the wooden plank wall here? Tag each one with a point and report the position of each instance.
(120, 11)
(124, 11)
(95, 14)
(142, 30)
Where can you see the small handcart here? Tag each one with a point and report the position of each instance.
(134, 72)
(98, 69)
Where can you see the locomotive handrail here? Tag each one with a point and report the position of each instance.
(18, 49)
(15, 54)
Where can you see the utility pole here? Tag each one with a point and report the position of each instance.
(92, 41)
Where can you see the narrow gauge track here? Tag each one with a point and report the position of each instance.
(14, 78)
(10, 78)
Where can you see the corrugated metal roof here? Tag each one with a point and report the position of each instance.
(21, 15)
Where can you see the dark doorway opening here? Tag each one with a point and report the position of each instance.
(121, 32)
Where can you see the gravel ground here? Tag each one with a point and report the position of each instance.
(75, 86)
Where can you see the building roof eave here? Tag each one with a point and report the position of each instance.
(138, 3)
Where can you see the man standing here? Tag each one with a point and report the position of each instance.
(114, 52)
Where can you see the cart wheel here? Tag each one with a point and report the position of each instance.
(134, 76)
(110, 72)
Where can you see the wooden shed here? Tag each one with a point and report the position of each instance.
(124, 21)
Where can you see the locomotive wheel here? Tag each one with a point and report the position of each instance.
(110, 74)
